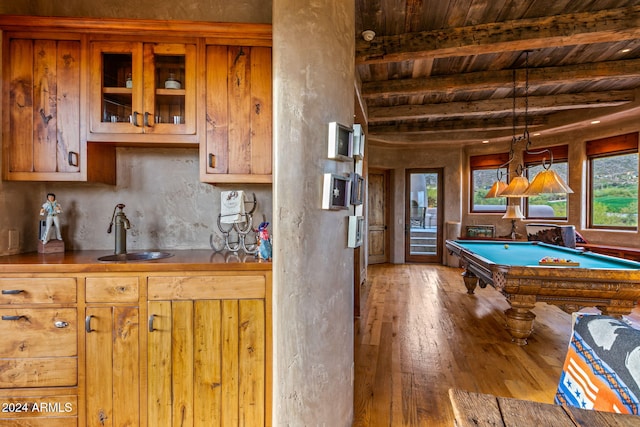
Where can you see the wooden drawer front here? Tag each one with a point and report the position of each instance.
(112, 289)
(206, 287)
(39, 372)
(49, 411)
(38, 332)
(33, 290)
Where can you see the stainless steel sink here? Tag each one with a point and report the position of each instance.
(136, 256)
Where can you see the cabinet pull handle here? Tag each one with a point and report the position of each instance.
(146, 119)
(151, 318)
(135, 119)
(60, 324)
(12, 291)
(212, 160)
(87, 324)
(14, 317)
(73, 158)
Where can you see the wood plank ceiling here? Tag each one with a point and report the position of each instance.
(442, 71)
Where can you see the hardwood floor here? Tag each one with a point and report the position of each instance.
(420, 334)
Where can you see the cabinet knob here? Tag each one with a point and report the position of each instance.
(60, 324)
(87, 324)
(73, 159)
(212, 160)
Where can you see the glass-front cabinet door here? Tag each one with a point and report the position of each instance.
(143, 88)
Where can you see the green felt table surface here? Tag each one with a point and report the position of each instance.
(516, 253)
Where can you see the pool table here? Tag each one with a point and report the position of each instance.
(513, 267)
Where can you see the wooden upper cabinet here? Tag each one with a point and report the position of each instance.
(238, 146)
(41, 110)
(142, 92)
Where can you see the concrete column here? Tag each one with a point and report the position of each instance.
(313, 69)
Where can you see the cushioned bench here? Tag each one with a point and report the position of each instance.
(602, 368)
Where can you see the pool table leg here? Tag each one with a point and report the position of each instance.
(520, 318)
(470, 281)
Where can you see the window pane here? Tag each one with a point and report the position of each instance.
(548, 205)
(614, 195)
(483, 179)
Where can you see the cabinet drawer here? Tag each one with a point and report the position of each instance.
(38, 347)
(38, 332)
(112, 289)
(206, 287)
(39, 372)
(37, 290)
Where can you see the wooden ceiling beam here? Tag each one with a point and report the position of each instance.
(481, 81)
(444, 126)
(536, 33)
(461, 136)
(494, 106)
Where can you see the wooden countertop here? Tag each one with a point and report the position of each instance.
(87, 261)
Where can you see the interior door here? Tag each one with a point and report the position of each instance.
(378, 203)
(423, 215)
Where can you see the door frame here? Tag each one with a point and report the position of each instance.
(438, 257)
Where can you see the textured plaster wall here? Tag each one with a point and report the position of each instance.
(166, 203)
(313, 268)
(398, 161)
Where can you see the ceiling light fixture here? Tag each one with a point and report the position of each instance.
(546, 181)
(368, 35)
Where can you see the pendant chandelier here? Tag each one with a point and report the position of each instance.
(546, 181)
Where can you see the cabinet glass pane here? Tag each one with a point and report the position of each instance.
(170, 89)
(116, 87)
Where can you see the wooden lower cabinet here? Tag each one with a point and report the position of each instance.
(72, 352)
(112, 354)
(206, 363)
(112, 366)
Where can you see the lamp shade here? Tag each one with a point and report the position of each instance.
(496, 190)
(547, 181)
(516, 188)
(513, 212)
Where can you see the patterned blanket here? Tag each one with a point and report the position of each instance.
(602, 367)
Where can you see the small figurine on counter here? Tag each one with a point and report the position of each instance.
(264, 242)
(52, 209)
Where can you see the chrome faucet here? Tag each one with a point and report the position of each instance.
(122, 225)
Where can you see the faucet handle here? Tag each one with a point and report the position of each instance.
(118, 206)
